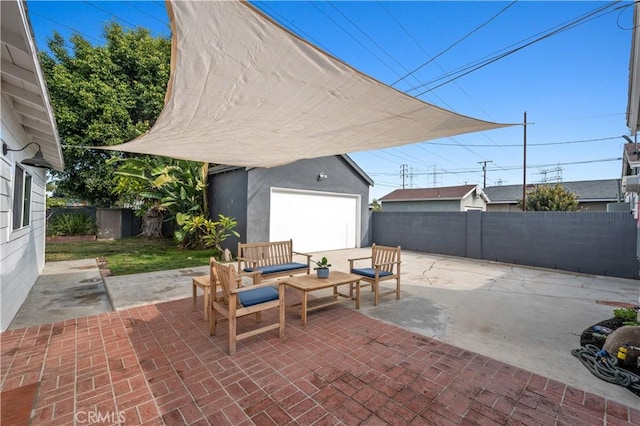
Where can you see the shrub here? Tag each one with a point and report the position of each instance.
(198, 232)
(70, 224)
(628, 315)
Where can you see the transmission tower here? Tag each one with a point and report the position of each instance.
(404, 168)
(551, 175)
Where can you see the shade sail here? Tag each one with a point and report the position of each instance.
(244, 91)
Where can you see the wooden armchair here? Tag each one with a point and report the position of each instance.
(385, 265)
(234, 301)
(208, 286)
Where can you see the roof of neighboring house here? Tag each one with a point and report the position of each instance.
(585, 190)
(423, 194)
(214, 170)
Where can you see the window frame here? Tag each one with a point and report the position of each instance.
(22, 196)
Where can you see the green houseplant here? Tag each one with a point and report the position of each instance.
(322, 268)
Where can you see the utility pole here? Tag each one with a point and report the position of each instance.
(484, 172)
(524, 167)
(403, 173)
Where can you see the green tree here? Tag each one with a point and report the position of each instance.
(550, 198)
(375, 205)
(161, 188)
(103, 95)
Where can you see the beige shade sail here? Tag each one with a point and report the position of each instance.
(244, 91)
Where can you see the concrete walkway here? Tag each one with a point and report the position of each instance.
(530, 318)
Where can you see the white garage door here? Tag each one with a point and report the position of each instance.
(316, 221)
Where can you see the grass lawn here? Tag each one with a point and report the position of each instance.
(131, 255)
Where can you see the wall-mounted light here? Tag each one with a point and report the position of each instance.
(36, 161)
(322, 176)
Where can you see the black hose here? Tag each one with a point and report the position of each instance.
(605, 367)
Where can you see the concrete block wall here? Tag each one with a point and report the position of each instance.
(602, 243)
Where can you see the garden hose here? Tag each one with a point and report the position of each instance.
(605, 367)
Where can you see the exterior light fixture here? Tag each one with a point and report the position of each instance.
(322, 176)
(36, 161)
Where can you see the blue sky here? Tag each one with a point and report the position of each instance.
(573, 84)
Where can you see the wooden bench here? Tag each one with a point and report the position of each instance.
(273, 259)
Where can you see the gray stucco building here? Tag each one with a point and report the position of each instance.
(322, 203)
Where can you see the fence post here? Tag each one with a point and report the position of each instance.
(474, 234)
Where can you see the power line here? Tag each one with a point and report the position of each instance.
(529, 144)
(131, 4)
(65, 26)
(354, 39)
(518, 167)
(110, 13)
(483, 63)
(457, 42)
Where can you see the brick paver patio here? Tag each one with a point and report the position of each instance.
(157, 364)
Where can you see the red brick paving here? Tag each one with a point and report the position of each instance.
(157, 364)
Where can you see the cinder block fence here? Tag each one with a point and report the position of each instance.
(602, 243)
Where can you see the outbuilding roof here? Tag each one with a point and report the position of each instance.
(585, 190)
(421, 194)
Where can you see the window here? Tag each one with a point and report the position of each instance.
(21, 198)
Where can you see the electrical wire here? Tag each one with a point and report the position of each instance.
(518, 167)
(132, 25)
(529, 144)
(64, 26)
(457, 42)
(468, 69)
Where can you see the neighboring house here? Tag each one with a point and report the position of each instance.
(322, 203)
(26, 117)
(593, 195)
(449, 198)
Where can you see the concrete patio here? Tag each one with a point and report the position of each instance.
(470, 342)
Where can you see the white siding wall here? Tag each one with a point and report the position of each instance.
(21, 251)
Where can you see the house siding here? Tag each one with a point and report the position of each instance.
(303, 175)
(22, 250)
(227, 194)
(473, 203)
(422, 206)
(246, 194)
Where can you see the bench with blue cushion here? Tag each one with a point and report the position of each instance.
(273, 259)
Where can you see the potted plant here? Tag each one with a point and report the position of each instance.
(322, 268)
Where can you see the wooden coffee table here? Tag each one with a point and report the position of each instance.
(309, 283)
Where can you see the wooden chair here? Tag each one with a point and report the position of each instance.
(206, 283)
(385, 265)
(234, 301)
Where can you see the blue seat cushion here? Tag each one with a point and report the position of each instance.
(266, 270)
(257, 296)
(370, 272)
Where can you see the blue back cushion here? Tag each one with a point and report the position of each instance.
(266, 270)
(370, 272)
(257, 296)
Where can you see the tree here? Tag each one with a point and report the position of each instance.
(103, 95)
(375, 205)
(161, 188)
(550, 198)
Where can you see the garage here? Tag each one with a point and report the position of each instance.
(315, 220)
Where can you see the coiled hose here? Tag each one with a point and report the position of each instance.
(605, 367)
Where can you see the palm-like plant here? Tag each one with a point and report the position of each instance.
(159, 188)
